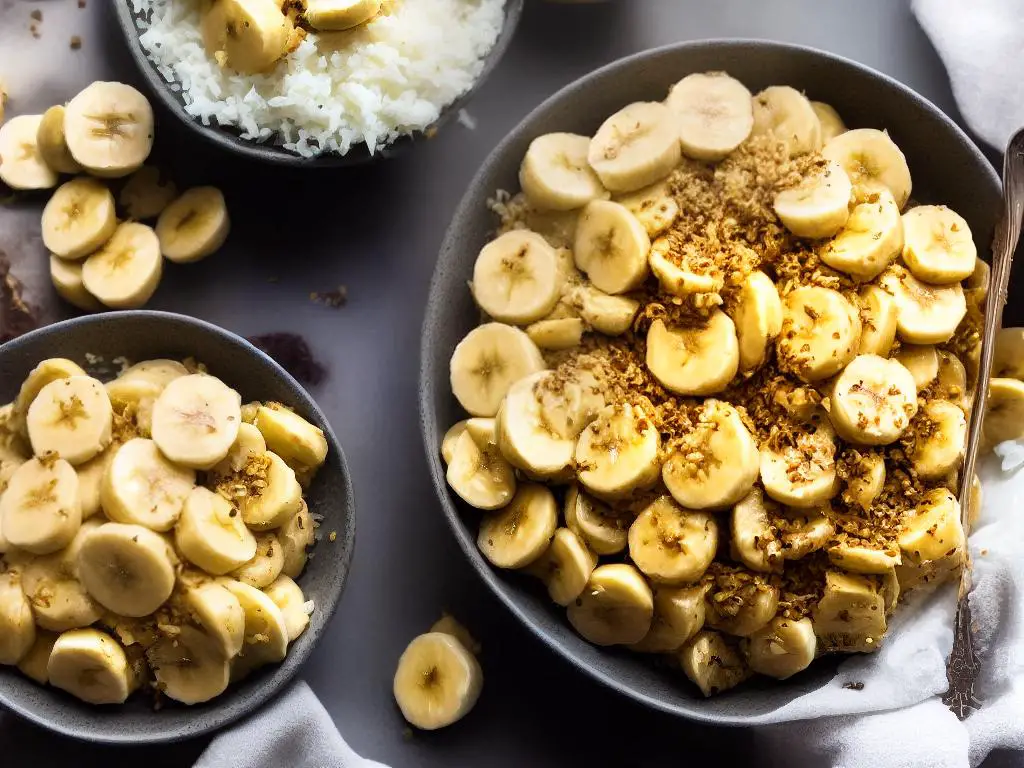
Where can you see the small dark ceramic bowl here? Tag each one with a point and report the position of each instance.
(270, 152)
(140, 335)
(945, 165)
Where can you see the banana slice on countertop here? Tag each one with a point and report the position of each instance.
(17, 630)
(683, 270)
(438, 681)
(878, 314)
(266, 633)
(753, 541)
(479, 474)
(517, 535)
(265, 565)
(59, 601)
(334, 15)
(714, 114)
(819, 205)
(941, 439)
(699, 360)
(611, 247)
(1004, 412)
(782, 648)
(863, 558)
(219, 614)
(516, 278)
(40, 511)
(189, 666)
(555, 175)
(146, 193)
(66, 277)
(865, 478)
(194, 225)
(526, 428)
(871, 159)
(672, 545)
(635, 147)
(831, 123)
(873, 400)
(758, 319)
(52, 145)
(21, 163)
(610, 315)
(487, 362)
(850, 616)
(565, 566)
(34, 663)
(618, 452)
(1008, 355)
(678, 616)
(713, 663)
(716, 463)
(211, 534)
(287, 595)
(70, 418)
(932, 540)
(615, 608)
(91, 666)
(141, 487)
(79, 218)
(801, 471)
(557, 333)
(290, 436)
(248, 36)
(125, 272)
(786, 114)
(927, 314)
(195, 420)
(108, 128)
(296, 536)
(922, 360)
(128, 569)
(654, 207)
(937, 245)
(450, 626)
(820, 333)
(603, 531)
(869, 241)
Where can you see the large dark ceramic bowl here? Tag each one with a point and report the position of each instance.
(945, 165)
(271, 152)
(141, 335)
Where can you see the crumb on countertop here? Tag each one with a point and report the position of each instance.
(334, 299)
(76, 42)
(333, 536)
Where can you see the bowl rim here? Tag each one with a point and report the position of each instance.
(267, 152)
(342, 550)
(436, 306)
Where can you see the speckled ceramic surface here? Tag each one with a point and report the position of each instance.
(268, 152)
(140, 335)
(945, 165)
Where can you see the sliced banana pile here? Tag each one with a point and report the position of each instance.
(148, 535)
(730, 435)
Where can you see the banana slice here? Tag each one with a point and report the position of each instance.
(91, 666)
(758, 319)
(517, 535)
(516, 278)
(266, 564)
(17, 632)
(479, 473)
(927, 314)
(79, 218)
(287, 596)
(922, 360)
(819, 205)
(159, 372)
(932, 541)
(266, 634)
(741, 608)
(248, 36)
(782, 648)
(872, 160)
(938, 246)
(450, 626)
(808, 533)
(712, 663)
(611, 247)
(672, 545)
(211, 533)
(195, 420)
(70, 418)
(66, 277)
(859, 558)
(870, 240)
(713, 112)
(48, 370)
(603, 531)
(126, 568)
(801, 471)
(654, 207)
(125, 272)
(618, 452)
(951, 381)
(1008, 356)
(873, 401)
(189, 666)
(557, 333)
(610, 315)
(555, 174)
(266, 491)
(52, 146)
(525, 431)
(635, 147)
(290, 436)
(194, 225)
(831, 123)
(678, 616)
(616, 607)
(565, 566)
(683, 269)
(40, 511)
(820, 333)
(248, 445)
(340, 14)
(451, 439)
(977, 284)
(59, 601)
(141, 487)
(295, 536)
(786, 114)
(219, 614)
(146, 193)
(850, 616)
(941, 440)
(134, 397)
(487, 362)
(438, 681)
(108, 128)
(700, 360)
(753, 541)
(716, 463)
(21, 163)
(33, 664)
(865, 479)
(878, 316)
(1004, 413)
